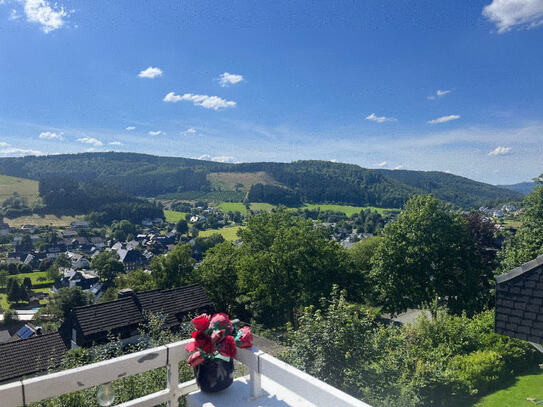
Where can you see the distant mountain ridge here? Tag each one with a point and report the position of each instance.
(522, 187)
(303, 181)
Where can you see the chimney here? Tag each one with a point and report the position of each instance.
(125, 292)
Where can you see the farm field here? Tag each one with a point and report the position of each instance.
(229, 233)
(44, 220)
(26, 188)
(232, 207)
(174, 216)
(347, 209)
(527, 386)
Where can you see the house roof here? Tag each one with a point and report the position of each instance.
(128, 311)
(519, 302)
(106, 316)
(174, 303)
(28, 356)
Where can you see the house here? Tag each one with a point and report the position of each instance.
(54, 250)
(86, 279)
(67, 234)
(519, 303)
(131, 259)
(28, 228)
(92, 324)
(97, 242)
(79, 224)
(27, 331)
(78, 261)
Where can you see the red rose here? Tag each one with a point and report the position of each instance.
(203, 342)
(217, 336)
(190, 347)
(201, 322)
(228, 347)
(244, 338)
(195, 359)
(220, 321)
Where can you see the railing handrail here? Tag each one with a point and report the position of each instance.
(23, 392)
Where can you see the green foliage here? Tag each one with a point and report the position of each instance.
(173, 270)
(527, 243)
(123, 230)
(444, 361)
(182, 227)
(59, 306)
(428, 253)
(218, 276)
(273, 194)
(10, 316)
(107, 265)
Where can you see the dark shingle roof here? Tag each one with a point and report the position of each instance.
(128, 311)
(175, 303)
(107, 316)
(28, 356)
(519, 302)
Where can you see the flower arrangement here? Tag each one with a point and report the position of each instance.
(216, 337)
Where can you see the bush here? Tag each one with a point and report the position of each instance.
(477, 371)
(10, 316)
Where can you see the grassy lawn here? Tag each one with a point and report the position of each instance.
(258, 206)
(45, 220)
(24, 187)
(346, 209)
(530, 385)
(232, 207)
(4, 301)
(229, 233)
(34, 277)
(174, 216)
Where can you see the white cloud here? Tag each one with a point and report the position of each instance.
(189, 132)
(14, 15)
(442, 92)
(382, 164)
(227, 79)
(224, 159)
(500, 151)
(444, 119)
(130, 128)
(398, 167)
(506, 14)
(115, 143)
(150, 73)
(208, 102)
(3, 144)
(205, 157)
(50, 17)
(90, 140)
(155, 133)
(380, 119)
(12, 151)
(49, 135)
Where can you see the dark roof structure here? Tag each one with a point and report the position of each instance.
(519, 302)
(123, 316)
(29, 356)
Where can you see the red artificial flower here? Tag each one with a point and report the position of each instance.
(244, 339)
(190, 347)
(217, 336)
(228, 347)
(221, 320)
(203, 342)
(201, 322)
(195, 359)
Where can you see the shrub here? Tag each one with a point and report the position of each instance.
(476, 372)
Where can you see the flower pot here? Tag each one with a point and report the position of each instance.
(214, 375)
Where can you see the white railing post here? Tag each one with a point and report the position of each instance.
(255, 383)
(176, 352)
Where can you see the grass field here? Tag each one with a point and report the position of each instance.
(515, 396)
(229, 233)
(233, 207)
(258, 206)
(346, 209)
(174, 216)
(45, 220)
(24, 187)
(34, 277)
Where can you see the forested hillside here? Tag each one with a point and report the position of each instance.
(300, 181)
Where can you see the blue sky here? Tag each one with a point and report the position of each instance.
(429, 85)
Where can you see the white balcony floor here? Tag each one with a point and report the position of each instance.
(237, 395)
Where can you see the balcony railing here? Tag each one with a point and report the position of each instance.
(284, 377)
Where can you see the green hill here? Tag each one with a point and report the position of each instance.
(300, 181)
(25, 188)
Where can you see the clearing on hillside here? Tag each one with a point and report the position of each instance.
(43, 220)
(239, 181)
(26, 188)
